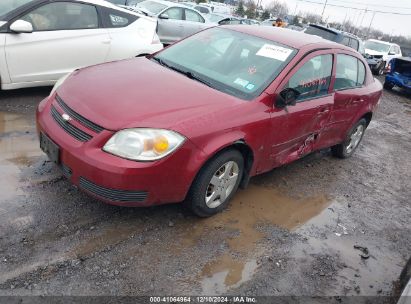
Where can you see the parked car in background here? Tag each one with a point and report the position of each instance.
(295, 27)
(42, 40)
(175, 21)
(398, 74)
(204, 9)
(250, 21)
(382, 50)
(124, 2)
(189, 4)
(221, 19)
(269, 22)
(229, 103)
(335, 35)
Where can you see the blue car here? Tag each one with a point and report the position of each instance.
(399, 74)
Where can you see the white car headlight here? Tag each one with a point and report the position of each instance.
(59, 83)
(143, 144)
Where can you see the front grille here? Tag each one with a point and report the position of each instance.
(69, 128)
(66, 171)
(112, 194)
(84, 121)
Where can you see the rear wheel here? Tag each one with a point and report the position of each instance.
(348, 147)
(216, 184)
(388, 85)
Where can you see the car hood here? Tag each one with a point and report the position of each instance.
(373, 53)
(141, 93)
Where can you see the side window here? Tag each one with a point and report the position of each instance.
(313, 78)
(350, 72)
(175, 13)
(63, 16)
(193, 16)
(114, 18)
(354, 44)
(345, 41)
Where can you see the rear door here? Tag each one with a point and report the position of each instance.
(350, 95)
(66, 36)
(306, 120)
(171, 25)
(194, 22)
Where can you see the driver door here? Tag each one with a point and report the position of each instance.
(171, 25)
(297, 129)
(65, 36)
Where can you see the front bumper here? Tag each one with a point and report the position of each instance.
(398, 81)
(112, 179)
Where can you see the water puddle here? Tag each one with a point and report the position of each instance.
(250, 210)
(18, 149)
(225, 273)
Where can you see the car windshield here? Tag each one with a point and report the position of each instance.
(229, 61)
(152, 6)
(377, 46)
(6, 6)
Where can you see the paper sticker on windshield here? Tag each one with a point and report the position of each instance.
(241, 82)
(274, 51)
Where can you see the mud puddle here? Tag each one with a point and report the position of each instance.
(18, 149)
(243, 226)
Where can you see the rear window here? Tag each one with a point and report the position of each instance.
(312, 30)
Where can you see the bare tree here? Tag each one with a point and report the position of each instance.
(278, 8)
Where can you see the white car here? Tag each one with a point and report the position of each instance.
(43, 40)
(382, 49)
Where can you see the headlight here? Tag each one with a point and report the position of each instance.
(143, 144)
(59, 83)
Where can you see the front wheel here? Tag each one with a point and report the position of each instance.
(347, 148)
(216, 184)
(381, 68)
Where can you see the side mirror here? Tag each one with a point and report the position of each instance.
(163, 16)
(21, 26)
(287, 97)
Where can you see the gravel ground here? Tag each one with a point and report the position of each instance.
(292, 232)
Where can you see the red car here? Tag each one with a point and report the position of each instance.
(195, 121)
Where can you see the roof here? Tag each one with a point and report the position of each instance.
(286, 36)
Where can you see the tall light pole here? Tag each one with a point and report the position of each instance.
(322, 14)
(369, 28)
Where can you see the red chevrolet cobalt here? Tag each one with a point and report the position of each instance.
(195, 121)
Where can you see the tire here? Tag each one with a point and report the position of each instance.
(344, 150)
(388, 85)
(216, 178)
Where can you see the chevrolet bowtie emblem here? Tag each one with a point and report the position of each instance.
(66, 117)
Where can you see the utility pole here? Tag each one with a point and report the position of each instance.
(369, 27)
(322, 14)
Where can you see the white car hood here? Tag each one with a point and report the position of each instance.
(372, 52)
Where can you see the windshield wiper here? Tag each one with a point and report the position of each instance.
(189, 74)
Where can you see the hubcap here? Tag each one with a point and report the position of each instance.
(222, 184)
(355, 138)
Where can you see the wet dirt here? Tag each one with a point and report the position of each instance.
(291, 232)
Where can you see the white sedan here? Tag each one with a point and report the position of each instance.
(43, 40)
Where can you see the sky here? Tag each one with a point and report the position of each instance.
(388, 23)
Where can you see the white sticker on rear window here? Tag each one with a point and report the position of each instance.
(274, 51)
(241, 82)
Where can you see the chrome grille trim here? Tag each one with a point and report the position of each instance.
(84, 121)
(69, 128)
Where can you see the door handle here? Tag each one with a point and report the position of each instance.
(323, 110)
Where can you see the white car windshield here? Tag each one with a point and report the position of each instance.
(152, 6)
(6, 6)
(238, 64)
(377, 46)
